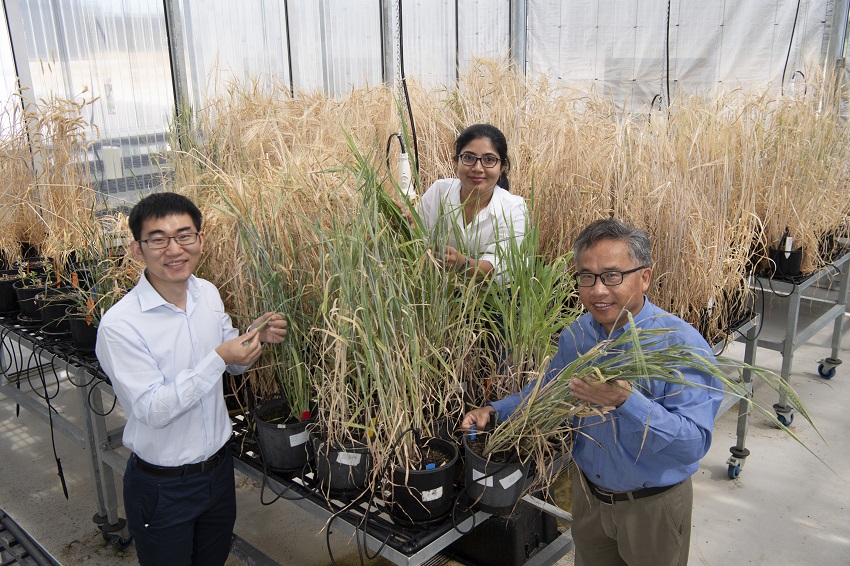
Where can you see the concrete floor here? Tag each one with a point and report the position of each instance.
(787, 507)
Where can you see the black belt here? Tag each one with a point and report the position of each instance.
(174, 471)
(610, 497)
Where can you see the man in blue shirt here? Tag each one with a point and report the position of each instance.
(633, 498)
(165, 346)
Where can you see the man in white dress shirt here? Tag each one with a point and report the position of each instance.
(165, 346)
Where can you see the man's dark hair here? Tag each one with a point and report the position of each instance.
(640, 249)
(496, 137)
(160, 205)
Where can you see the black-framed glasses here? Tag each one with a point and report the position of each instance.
(609, 278)
(469, 159)
(161, 242)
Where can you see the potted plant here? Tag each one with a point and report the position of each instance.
(275, 277)
(101, 274)
(397, 330)
(29, 285)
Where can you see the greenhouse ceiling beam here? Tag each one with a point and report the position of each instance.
(519, 33)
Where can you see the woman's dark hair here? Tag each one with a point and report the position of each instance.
(160, 205)
(496, 137)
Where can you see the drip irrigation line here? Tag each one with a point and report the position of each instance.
(7, 350)
(790, 44)
(89, 401)
(50, 411)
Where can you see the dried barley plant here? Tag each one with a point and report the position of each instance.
(271, 174)
(47, 197)
(715, 182)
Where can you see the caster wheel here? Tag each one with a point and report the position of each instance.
(785, 420)
(120, 544)
(826, 374)
(734, 472)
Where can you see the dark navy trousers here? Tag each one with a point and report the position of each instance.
(182, 520)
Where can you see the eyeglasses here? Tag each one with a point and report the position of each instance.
(609, 278)
(469, 159)
(161, 242)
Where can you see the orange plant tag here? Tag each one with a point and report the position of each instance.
(89, 311)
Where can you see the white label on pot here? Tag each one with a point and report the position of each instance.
(476, 476)
(298, 439)
(432, 494)
(348, 458)
(508, 481)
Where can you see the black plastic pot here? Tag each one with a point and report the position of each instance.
(53, 304)
(342, 468)
(787, 266)
(494, 486)
(284, 446)
(83, 330)
(421, 496)
(26, 299)
(8, 298)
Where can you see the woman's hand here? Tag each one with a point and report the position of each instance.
(453, 259)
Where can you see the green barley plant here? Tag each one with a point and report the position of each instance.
(544, 424)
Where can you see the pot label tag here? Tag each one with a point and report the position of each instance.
(298, 439)
(348, 458)
(508, 481)
(486, 482)
(432, 494)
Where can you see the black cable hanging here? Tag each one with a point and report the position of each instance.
(407, 97)
(790, 44)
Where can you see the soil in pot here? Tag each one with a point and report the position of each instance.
(284, 442)
(426, 494)
(494, 484)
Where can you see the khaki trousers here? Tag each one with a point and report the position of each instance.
(651, 531)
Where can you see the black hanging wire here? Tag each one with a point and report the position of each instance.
(288, 48)
(50, 410)
(407, 96)
(790, 44)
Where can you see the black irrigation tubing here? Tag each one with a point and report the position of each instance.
(50, 411)
(107, 413)
(282, 494)
(328, 532)
(40, 370)
(8, 353)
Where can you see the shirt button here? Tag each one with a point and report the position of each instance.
(598, 476)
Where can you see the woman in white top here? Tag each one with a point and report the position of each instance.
(474, 214)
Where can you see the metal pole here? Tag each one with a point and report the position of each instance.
(177, 57)
(388, 41)
(519, 34)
